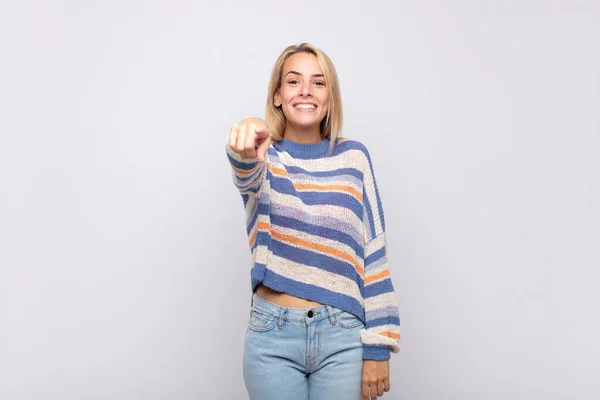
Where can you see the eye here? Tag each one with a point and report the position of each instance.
(320, 83)
(293, 82)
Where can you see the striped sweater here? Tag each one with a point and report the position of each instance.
(316, 230)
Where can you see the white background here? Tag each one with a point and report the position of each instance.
(124, 264)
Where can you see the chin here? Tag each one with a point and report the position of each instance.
(305, 122)
(305, 125)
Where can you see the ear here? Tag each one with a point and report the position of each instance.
(277, 99)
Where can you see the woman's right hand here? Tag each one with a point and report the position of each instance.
(250, 139)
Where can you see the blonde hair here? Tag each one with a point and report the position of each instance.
(331, 125)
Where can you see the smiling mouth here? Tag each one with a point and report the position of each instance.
(305, 107)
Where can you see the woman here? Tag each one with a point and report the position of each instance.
(324, 315)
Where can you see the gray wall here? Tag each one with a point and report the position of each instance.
(124, 261)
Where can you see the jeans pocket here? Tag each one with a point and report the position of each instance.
(261, 321)
(347, 320)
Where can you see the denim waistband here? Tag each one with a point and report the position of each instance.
(312, 315)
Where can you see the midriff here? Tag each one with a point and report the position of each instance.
(284, 299)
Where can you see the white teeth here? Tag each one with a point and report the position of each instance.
(306, 106)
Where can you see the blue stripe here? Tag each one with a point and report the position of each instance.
(351, 144)
(383, 321)
(257, 274)
(318, 174)
(285, 186)
(246, 180)
(249, 190)
(367, 207)
(375, 256)
(384, 286)
(316, 230)
(241, 165)
(262, 209)
(262, 238)
(375, 192)
(376, 352)
(389, 311)
(250, 187)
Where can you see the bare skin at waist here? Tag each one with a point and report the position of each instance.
(283, 299)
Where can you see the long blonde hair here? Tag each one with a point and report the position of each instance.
(331, 125)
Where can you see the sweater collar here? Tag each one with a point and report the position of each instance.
(302, 150)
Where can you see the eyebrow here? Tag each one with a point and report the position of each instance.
(298, 73)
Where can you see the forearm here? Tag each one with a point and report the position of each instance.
(382, 322)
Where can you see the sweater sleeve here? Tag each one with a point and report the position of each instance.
(381, 334)
(247, 173)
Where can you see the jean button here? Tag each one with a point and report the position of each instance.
(310, 314)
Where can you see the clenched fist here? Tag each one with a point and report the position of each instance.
(250, 139)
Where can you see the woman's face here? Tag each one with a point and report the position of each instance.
(303, 96)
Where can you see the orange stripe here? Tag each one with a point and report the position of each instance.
(260, 226)
(377, 277)
(278, 171)
(343, 188)
(244, 171)
(252, 239)
(321, 248)
(392, 335)
(264, 226)
(309, 186)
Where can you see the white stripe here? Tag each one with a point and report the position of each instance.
(368, 337)
(316, 210)
(382, 300)
(349, 159)
(375, 244)
(371, 198)
(347, 180)
(314, 276)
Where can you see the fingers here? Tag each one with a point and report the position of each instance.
(262, 149)
(233, 136)
(250, 140)
(373, 387)
(365, 391)
(370, 392)
(250, 143)
(261, 131)
(241, 141)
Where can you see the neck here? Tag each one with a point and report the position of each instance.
(304, 135)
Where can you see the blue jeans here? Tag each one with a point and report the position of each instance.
(301, 354)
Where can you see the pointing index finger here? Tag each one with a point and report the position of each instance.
(261, 132)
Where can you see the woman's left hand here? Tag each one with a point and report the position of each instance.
(375, 378)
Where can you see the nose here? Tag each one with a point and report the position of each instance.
(306, 89)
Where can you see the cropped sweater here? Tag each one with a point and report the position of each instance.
(316, 231)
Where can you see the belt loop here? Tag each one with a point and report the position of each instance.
(281, 313)
(330, 312)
